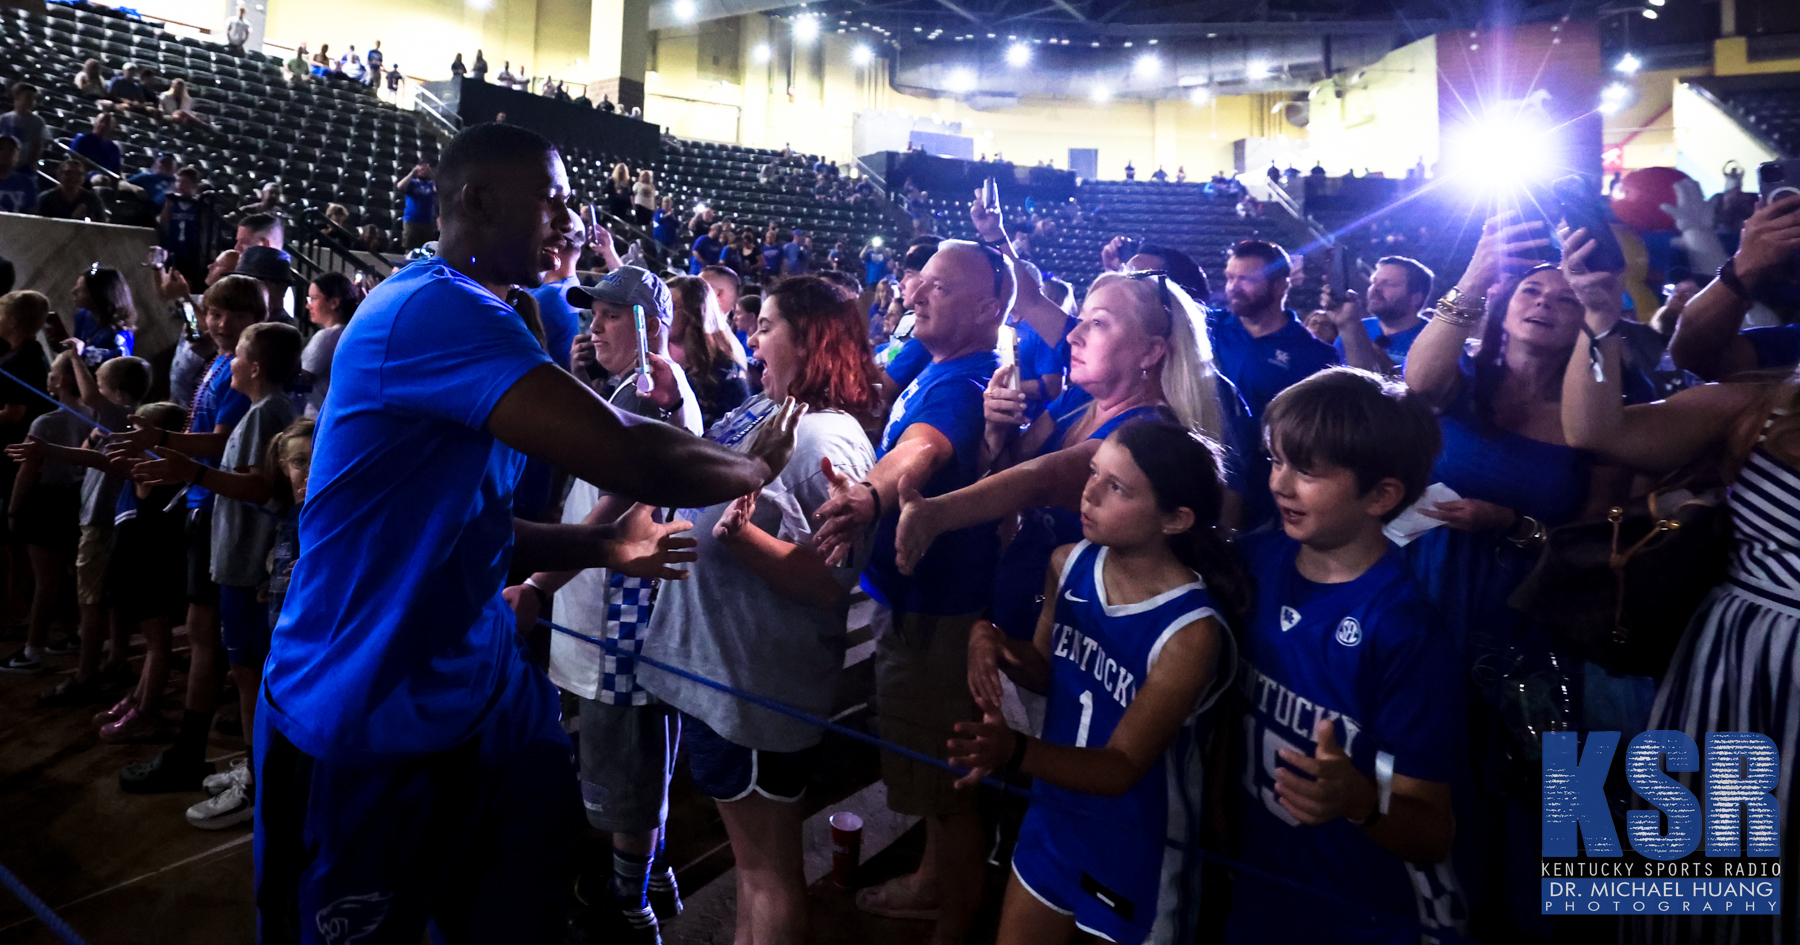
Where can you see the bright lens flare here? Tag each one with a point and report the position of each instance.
(806, 29)
(962, 79)
(1500, 153)
(1018, 54)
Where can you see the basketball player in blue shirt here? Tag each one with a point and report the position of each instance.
(1350, 681)
(1132, 648)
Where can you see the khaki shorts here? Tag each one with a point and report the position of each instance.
(91, 553)
(921, 692)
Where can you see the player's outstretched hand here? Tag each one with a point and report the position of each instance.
(524, 603)
(773, 442)
(987, 650)
(643, 547)
(850, 508)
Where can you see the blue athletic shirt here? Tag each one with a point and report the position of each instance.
(1266, 366)
(1105, 858)
(394, 640)
(906, 363)
(562, 321)
(1395, 345)
(216, 404)
(421, 202)
(1039, 359)
(956, 574)
(1375, 656)
(183, 235)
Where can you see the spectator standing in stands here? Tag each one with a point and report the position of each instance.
(89, 82)
(321, 61)
(934, 438)
(563, 321)
(708, 249)
(418, 223)
(70, 199)
(297, 69)
(374, 58)
(725, 285)
(457, 69)
(796, 255)
(259, 229)
(617, 191)
(179, 223)
(643, 196)
(330, 301)
(606, 104)
(178, 106)
(18, 192)
(876, 258)
(393, 80)
(97, 145)
(1161, 176)
(237, 30)
(1130, 172)
(1261, 347)
(1397, 292)
(505, 78)
(479, 72)
(664, 221)
(25, 125)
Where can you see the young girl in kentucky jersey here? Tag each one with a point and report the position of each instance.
(1131, 648)
(1352, 685)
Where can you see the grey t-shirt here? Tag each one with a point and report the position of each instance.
(315, 360)
(61, 428)
(100, 490)
(726, 623)
(242, 535)
(29, 130)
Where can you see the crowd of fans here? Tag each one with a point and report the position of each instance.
(1218, 500)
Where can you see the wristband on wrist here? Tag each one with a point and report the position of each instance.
(875, 494)
(544, 596)
(1728, 276)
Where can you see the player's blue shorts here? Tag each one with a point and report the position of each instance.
(1116, 882)
(474, 843)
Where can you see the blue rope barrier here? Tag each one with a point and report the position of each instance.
(44, 913)
(612, 646)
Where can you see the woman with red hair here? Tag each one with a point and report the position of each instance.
(762, 610)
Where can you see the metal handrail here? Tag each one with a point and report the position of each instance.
(67, 146)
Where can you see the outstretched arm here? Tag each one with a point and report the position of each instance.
(1707, 339)
(554, 417)
(1054, 479)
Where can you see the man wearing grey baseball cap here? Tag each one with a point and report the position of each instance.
(628, 737)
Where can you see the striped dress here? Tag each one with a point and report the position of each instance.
(1738, 670)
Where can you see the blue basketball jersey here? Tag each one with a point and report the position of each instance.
(1108, 860)
(1373, 656)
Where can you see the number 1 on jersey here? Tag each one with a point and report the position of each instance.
(1087, 718)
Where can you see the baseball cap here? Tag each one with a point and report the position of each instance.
(627, 285)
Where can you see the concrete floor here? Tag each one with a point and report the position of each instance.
(125, 869)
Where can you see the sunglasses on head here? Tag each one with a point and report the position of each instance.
(997, 260)
(1161, 277)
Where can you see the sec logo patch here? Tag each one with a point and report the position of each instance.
(1349, 633)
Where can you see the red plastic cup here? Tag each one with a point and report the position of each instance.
(846, 847)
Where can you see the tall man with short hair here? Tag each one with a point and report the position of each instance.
(25, 125)
(932, 443)
(411, 768)
(97, 145)
(418, 223)
(260, 229)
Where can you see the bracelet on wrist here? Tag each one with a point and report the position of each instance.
(874, 494)
(544, 597)
(1728, 276)
(1371, 820)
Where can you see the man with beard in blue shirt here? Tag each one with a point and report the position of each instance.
(411, 769)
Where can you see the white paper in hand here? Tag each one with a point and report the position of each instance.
(1409, 524)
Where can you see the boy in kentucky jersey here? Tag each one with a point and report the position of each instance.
(1351, 683)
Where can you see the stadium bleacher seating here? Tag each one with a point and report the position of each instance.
(327, 141)
(1767, 105)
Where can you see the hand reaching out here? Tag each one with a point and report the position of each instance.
(917, 530)
(1504, 247)
(1109, 255)
(987, 650)
(524, 603)
(850, 508)
(736, 518)
(773, 441)
(30, 449)
(984, 745)
(168, 466)
(642, 547)
(1471, 515)
(1597, 290)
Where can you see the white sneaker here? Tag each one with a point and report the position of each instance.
(240, 772)
(234, 805)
